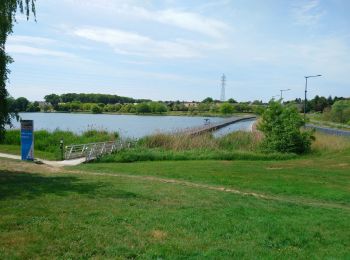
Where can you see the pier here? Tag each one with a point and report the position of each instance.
(213, 127)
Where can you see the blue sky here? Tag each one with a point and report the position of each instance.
(178, 49)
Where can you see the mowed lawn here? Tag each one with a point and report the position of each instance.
(168, 210)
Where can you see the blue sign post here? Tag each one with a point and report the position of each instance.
(27, 140)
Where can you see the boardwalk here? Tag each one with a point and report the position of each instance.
(329, 130)
(216, 126)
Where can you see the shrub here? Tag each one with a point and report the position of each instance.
(341, 111)
(281, 127)
(142, 108)
(96, 109)
(226, 108)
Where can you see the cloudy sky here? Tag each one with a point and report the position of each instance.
(178, 49)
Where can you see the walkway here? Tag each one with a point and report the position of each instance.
(329, 130)
(51, 163)
(216, 126)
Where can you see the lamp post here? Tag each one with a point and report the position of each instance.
(306, 77)
(282, 90)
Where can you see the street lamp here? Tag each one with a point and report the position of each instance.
(282, 90)
(306, 77)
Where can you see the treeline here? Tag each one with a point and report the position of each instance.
(339, 112)
(317, 104)
(22, 104)
(55, 99)
(139, 108)
(335, 109)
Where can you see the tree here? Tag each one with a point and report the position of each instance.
(341, 111)
(8, 10)
(33, 107)
(157, 107)
(232, 101)
(208, 100)
(142, 108)
(53, 99)
(281, 127)
(21, 104)
(226, 108)
(96, 109)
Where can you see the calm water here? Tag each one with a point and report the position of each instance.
(127, 125)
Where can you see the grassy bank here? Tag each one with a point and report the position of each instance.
(235, 146)
(175, 147)
(194, 209)
(318, 119)
(46, 144)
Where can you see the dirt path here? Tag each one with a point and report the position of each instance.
(19, 166)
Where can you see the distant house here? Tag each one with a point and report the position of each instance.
(191, 104)
(43, 103)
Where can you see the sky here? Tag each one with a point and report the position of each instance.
(179, 49)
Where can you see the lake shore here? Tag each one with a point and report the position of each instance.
(170, 113)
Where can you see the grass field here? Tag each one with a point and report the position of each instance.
(297, 208)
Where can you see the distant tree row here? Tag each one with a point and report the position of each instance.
(55, 99)
(317, 104)
(97, 108)
(22, 104)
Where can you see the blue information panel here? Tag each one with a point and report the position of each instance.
(27, 140)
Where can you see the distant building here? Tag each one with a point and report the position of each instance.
(191, 104)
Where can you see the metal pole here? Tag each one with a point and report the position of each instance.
(305, 99)
(61, 147)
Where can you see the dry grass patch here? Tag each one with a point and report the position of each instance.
(332, 143)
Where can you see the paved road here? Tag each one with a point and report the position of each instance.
(328, 130)
(52, 163)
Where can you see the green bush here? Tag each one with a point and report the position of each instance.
(96, 109)
(226, 108)
(281, 127)
(341, 111)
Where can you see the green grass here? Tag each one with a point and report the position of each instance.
(47, 144)
(318, 119)
(179, 146)
(326, 179)
(16, 150)
(81, 215)
(154, 154)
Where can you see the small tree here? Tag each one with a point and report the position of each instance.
(341, 111)
(142, 108)
(96, 109)
(226, 108)
(281, 127)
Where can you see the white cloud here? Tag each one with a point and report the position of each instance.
(23, 39)
(307, 13)
(187, 20)
(190, 21)
(124, 42)
(23, 49)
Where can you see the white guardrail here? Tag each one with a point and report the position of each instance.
(92, 151)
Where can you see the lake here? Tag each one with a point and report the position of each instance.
(133, 126)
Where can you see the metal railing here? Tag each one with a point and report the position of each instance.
(92, 151)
